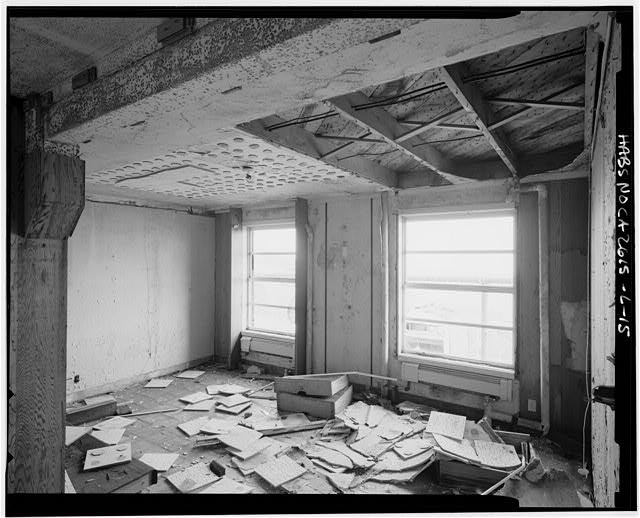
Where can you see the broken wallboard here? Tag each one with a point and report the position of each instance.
(326, 408)
(192, 478)
(192, 427)
(73, 433)
(195, 398)
(107, 456)
(108, 435)
(462, 449)
(226, 486)
(158, 383)
(311, 386)
(234, 400)
(217, 426)
(239, 437)
(280, 470)
(234, 410)
(191, 374)
(229, 389)
(159, 461)
(494, 455)
(201, 406)
(449, 425)
(251, 449)
(114, 422)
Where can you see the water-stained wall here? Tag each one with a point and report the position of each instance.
(140, 293)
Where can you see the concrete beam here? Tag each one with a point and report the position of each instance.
(472, 100)
(180, 95)
(379, 122)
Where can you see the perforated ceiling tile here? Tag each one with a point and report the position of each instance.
(238, 169)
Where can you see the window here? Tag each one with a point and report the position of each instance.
(271, 279)
(456, 281)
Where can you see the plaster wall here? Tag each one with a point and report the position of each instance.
(140, 294)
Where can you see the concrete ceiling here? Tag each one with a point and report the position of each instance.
(46, 52)
(161, 133)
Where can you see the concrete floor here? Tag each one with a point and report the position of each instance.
(158, 433)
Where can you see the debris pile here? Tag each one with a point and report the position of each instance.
(344, 445)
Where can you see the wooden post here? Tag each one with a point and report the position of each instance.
(300, 351)
(228, 283)
(47, 198)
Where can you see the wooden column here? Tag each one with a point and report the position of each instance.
(300, 352)
(228, 283)
(47, 198)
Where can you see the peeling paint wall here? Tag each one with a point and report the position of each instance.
(568, 308)
(345, 318)
(140, 293)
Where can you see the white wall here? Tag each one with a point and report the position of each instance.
(140, 294)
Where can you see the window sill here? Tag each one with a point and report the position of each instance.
(461, 366)
(269, 336)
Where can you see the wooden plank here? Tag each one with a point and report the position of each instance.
(54, 194)
(314, 386)
(302, 141)
(326, 408)
(300, 353)
(382, 124)
(472, 101)
(40, 387)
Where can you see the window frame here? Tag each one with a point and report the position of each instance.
(443, 360)
(248, 277)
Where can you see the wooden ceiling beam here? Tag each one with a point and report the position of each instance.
(379, 122)
(472, 100)
(538, 104)
(306, 143)
(591, 54)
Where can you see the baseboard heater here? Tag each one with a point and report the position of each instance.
(479, 383)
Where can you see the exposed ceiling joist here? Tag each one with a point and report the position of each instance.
(426, 125)
(524, 111)
(472, 100)
(538, 104)
(381, 123)
(306, 143)
(459, 127)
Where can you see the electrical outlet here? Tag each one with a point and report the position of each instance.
(531, 405)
